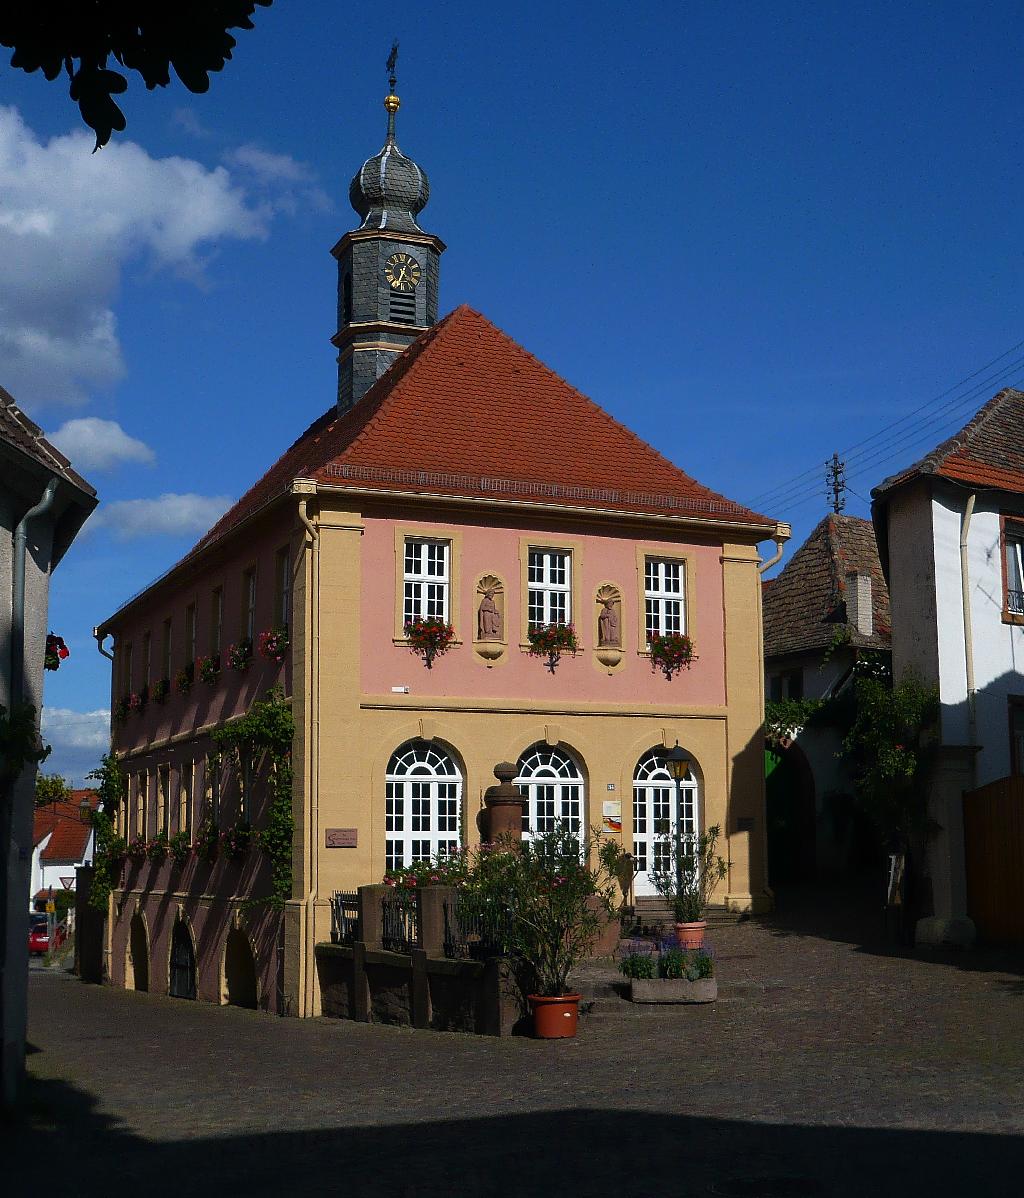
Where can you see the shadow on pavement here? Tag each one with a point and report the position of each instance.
(63, 1143)
(852, 912)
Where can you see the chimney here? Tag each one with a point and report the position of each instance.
(859, 611)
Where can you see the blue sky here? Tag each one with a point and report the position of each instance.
(756, 233)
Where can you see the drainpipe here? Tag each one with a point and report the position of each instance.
(18, 592)
(99, 643)
(313, 823)
(781, 535)
(965, 591)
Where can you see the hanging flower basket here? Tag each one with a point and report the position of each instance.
(240, 655)
(208, 669)
(161, 690)
(551, 641)
(184, 678)
(671, 652)
(273, 644)
(429, 639)
(56, 651)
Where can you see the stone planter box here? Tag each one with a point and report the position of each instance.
(673, 990)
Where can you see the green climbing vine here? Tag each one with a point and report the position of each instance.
(110, 848)
(19, 740)
(267, 729)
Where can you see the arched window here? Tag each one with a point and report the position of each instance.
(655, 815)
(553, 783)
(423, 804)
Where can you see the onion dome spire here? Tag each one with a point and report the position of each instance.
(390, 190)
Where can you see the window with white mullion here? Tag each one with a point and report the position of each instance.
(550, 587)
(426, 580)
(1015, 574)
(664, 597)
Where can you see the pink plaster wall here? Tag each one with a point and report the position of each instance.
(491, 549)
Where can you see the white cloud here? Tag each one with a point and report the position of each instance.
(94, 444)
(70, 221)
(168, 515)
(78, 739)
(186, 120)
(286, 181)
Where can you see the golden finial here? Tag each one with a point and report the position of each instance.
(392, 103)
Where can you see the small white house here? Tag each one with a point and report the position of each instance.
(951, 539)
(62, 840)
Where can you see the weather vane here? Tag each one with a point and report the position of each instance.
(391, 64)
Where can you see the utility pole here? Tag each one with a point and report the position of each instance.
(835, 483)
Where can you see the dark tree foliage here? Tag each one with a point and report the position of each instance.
(80, 37)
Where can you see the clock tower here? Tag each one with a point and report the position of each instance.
(387, 268)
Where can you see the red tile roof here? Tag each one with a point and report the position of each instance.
(68, 842)
(466, 411)
(45, 819)
(987, 452)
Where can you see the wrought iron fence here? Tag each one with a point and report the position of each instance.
(345, 916)
(476, 928)
(1015, 602)
(400, 928)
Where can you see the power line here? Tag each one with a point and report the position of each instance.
(767, 495)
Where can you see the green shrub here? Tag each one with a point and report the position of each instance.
(638, 965)
(689, 964)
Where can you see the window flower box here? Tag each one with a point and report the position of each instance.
(551, 641)
(184, 678)
(137, 701)
(273, 644)
(121, 709)
(161, 690)
(208, 669)
(671, 652)
(429, 638)
(240, 655)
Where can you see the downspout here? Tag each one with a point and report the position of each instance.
(18, 591)
(781, 535)
(313, 740)
(965, 591)
(99, 643)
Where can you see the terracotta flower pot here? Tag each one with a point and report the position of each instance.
(554, 1017)
(691, 935)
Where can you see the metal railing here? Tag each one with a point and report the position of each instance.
(1015, 602)
(400, 930)
(345, 916)
(476, 929)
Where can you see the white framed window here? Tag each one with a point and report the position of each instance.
(552, 784)
(664, 596)
(655, 815)
(283, 590)
(185, 782)
(216, 618)
(213, 787)
(190, 633)
(249, 603)
(549, 590)
(163, 806)
(147, 659)
(1014, 548)
(422, 805)
(165, 662)
(427, 579)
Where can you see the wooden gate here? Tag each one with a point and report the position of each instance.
(994, 852)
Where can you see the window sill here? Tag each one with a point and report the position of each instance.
(456, 642)
(1012, 617)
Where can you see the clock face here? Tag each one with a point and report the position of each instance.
(402, 272)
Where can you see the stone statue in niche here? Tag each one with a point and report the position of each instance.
(609, 624)
(489, 616)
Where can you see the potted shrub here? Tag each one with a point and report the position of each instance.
(551, 641)
(554, 922)
(689, 873)
(676, 976)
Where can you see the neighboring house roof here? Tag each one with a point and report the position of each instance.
(69, 841)
(987, 452)
(465, 410)
(45, 819)
(805, 603)
(26, 438)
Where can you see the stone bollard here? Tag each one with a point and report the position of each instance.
(502, 817)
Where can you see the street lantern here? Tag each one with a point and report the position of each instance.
(85, 811)
(678, 762)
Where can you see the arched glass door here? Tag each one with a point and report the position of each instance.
(423, 805)
(655, 816)
(553, 785)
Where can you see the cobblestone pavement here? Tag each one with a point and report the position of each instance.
(830, 1066)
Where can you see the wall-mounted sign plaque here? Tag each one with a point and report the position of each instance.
(341, 838)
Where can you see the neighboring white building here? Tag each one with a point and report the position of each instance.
(61, 841)
(951, 539)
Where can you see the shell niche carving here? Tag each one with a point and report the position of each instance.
(609, 619)
(490, 612)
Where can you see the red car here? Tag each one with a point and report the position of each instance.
(38, 934)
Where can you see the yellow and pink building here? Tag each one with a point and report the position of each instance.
(457, 478)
